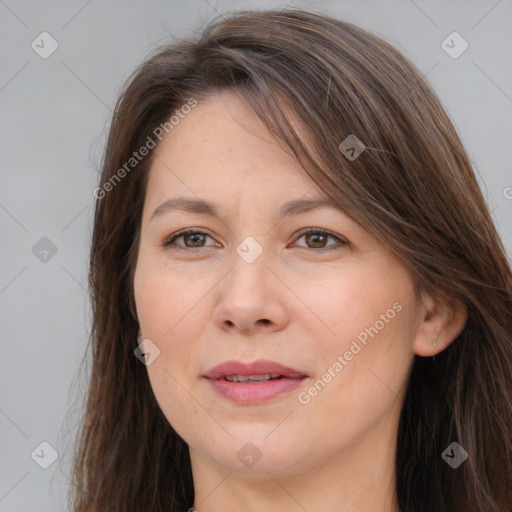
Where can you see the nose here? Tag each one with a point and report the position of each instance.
(251, 299)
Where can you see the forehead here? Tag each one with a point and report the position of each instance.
(222, 147)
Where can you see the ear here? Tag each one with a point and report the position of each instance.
(443, 319)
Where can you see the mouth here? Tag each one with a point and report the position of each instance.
(255, 382)
(253, 378)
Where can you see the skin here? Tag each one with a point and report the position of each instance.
(205, 304)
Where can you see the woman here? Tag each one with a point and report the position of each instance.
(300, 301)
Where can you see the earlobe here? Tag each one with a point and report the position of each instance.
(444, 318)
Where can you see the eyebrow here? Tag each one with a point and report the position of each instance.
(201, 207)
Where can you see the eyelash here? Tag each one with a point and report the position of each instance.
(170, 245)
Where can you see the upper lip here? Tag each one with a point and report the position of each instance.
(259, 367)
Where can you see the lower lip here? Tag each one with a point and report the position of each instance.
(254, 393)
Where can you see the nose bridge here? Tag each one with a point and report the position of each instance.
(250, 295)
(249, 270)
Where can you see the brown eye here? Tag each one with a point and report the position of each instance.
(196, 239)
(192, 239)
(318, 239)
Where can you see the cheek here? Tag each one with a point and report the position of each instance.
(165, 300)
(170, 316)
(359, 382)
(371, 322)
(166, 318)
(351, 301)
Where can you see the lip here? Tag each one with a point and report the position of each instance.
(256, 392)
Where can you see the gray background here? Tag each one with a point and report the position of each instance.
(55, 114)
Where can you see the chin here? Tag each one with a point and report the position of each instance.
(255, 454)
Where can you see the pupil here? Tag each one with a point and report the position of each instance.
(195, 240)
(315, 237)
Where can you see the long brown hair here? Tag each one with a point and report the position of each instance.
(412, 187)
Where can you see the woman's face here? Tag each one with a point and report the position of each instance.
(337, 311)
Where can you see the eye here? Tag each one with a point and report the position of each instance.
(196, 238)
(317, 238)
